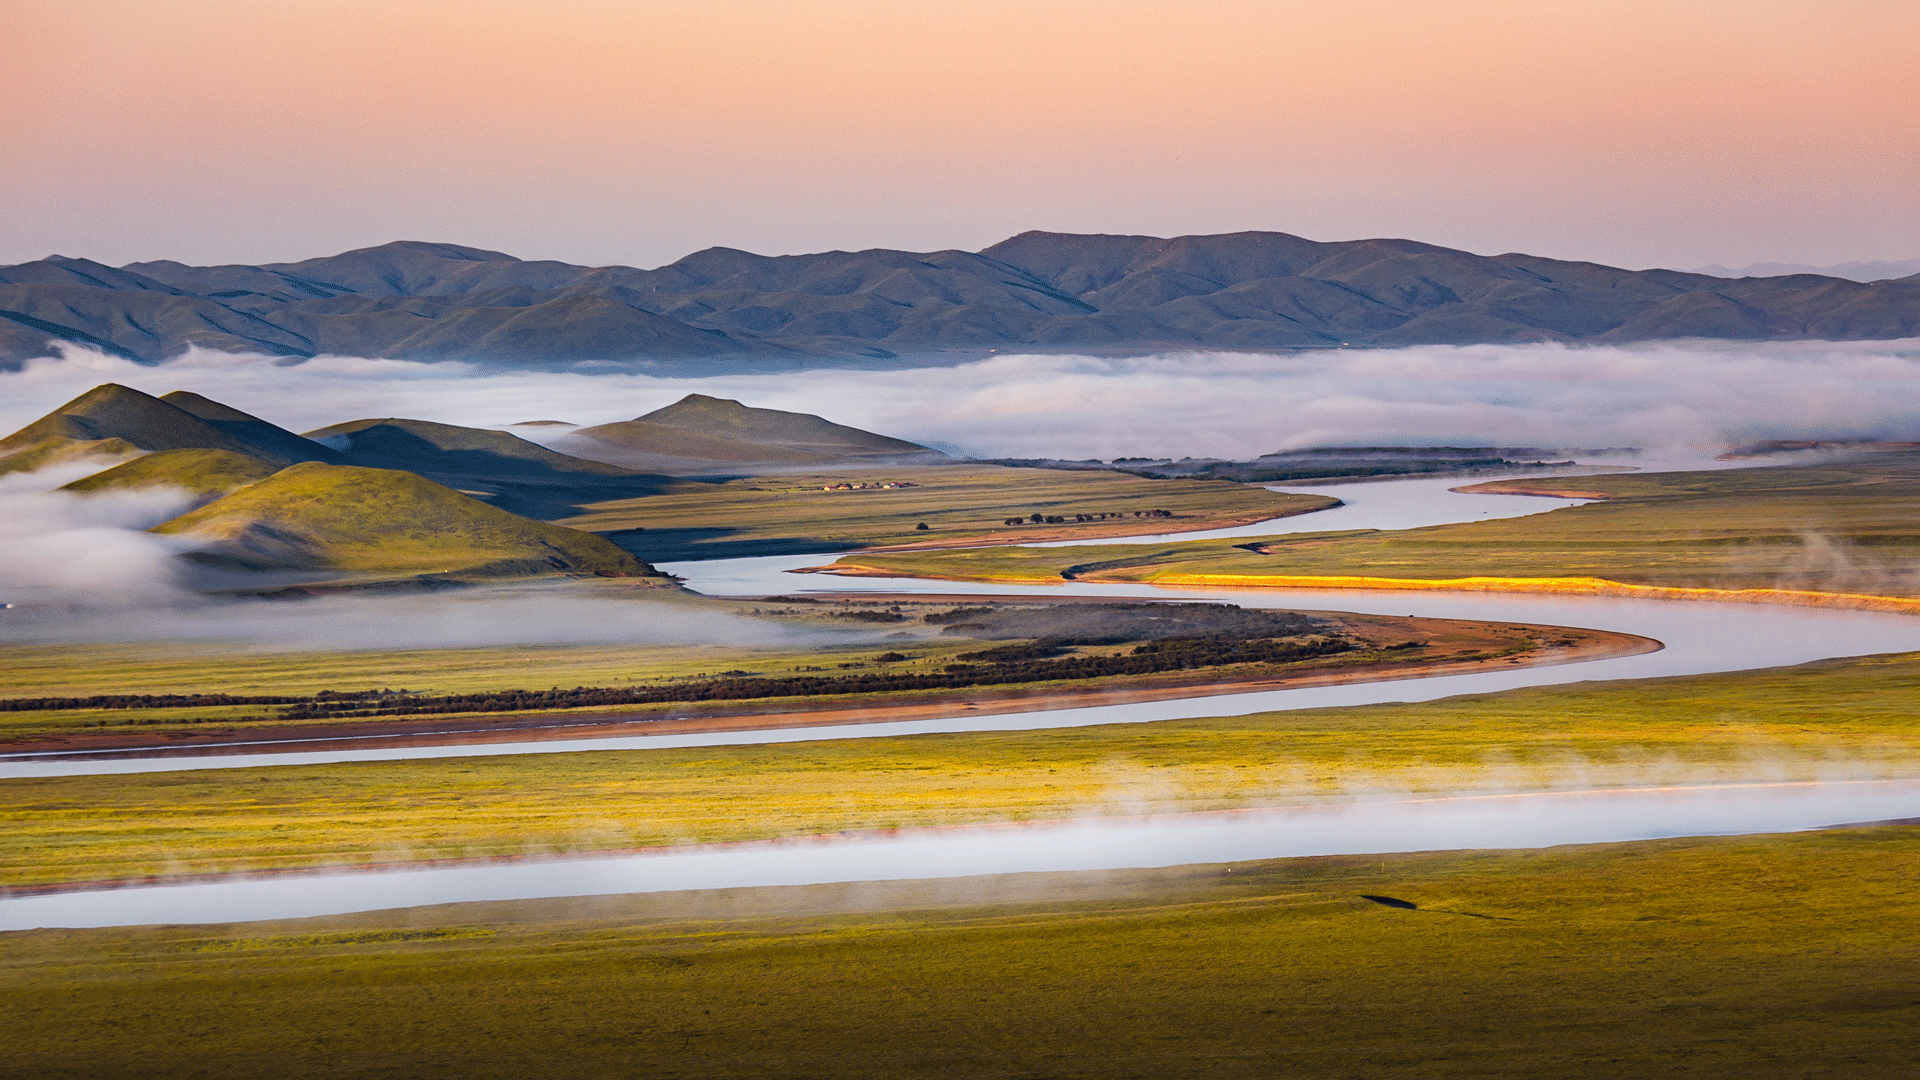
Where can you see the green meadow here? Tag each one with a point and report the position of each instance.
(957, 503)
(1858, 717)
(1784, 956)
(843, 639)
(1850, 526)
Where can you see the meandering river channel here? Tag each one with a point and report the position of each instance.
(1699, 638)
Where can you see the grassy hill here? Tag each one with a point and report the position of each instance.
(423, 446)
(701, 433)
(383, 521)
(269, 441)
(514, 474)
(203, 472)
(115, 420)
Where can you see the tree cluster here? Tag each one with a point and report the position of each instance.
(1037, 518)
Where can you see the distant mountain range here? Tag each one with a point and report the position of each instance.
(1881, 270)
(722, 308)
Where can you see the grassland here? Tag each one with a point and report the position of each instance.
(202, 472)
(1780, 956)
(1846, 527)
(841, 640)
(1853, 717)
(958, 504)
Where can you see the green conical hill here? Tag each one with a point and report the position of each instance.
(699, 432)
(267, 441)
(426, 447)
(111, 419)
(383, 521)
(671, 445)
(203, 472)
(725, 418)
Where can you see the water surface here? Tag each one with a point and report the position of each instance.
(1486, 821)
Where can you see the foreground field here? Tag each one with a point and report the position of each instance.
(1857, 717)
(1775, 956)
(1846, 527)
(959, 504)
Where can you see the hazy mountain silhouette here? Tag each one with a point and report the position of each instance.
(1876, 270)
(725, 308)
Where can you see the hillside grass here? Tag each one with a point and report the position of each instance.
(202, 472)
(343, 518)
(957, 503)
(1849, 527)
(1857, 717)
(1769, 956)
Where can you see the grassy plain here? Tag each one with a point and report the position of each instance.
(1849, 526)
(833, 641)
(958, 503)
(1858, 717)
(1773, 956)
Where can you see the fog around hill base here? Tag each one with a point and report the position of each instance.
(1690, 398)
(80, 568)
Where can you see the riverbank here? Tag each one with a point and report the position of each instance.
(1545, 586)
(1450, 647)
(1843, 719)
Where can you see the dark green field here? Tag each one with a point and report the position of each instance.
(1777, 956)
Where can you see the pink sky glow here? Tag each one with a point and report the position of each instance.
(1673, 133)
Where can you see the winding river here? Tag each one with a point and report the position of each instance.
(1476, 821)
(1700, 637)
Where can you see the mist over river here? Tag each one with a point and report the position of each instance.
(1481, 821)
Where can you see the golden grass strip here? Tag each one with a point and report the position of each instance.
(1570, 586)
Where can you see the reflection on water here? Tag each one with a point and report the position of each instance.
(1488, 821)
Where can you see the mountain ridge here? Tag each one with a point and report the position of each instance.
(1039, 290)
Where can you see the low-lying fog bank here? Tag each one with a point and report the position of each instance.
(1694, 397)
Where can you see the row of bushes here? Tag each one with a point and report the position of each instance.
(1061, 519)
(186, 701)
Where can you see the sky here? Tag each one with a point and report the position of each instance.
(1674, 133)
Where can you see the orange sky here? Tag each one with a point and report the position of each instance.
(1638, 133)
